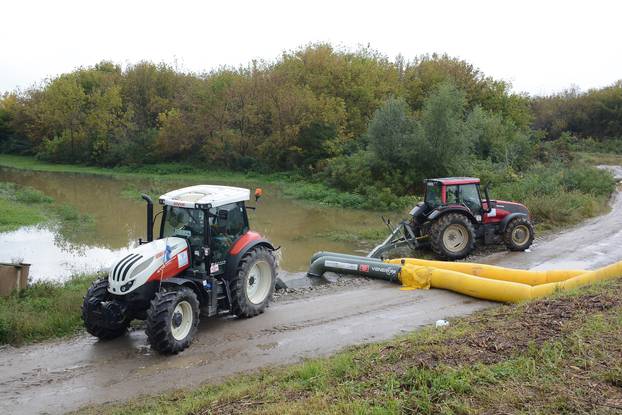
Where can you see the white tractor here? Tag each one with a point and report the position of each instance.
(205, 261)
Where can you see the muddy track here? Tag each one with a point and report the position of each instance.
(56, 377)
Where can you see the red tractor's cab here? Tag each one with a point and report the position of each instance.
(455, 191)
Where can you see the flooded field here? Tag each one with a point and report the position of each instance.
(119, 220)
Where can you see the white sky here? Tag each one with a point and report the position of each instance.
(539, 46)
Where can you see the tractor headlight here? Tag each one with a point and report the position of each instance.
(125, 287)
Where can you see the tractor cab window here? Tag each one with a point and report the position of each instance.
(470, 197)
(185, 223)
(452, 195)
(227, 224)
(466, 194)
(433, 194)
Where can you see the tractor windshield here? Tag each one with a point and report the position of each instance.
(433, 194)
(186, 223)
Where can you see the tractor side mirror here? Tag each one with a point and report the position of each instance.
(488, 206)
(258, 193)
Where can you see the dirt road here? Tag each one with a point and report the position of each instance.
(57, 377)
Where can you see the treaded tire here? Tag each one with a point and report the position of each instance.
(241, 305)
(99, 290)
(438, 229)
(510, 243)
(160, 320)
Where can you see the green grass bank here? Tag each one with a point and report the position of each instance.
(44, 310)
(290, 183)
(25, 206)
(556, 355)
(557, 194)
(21, 206)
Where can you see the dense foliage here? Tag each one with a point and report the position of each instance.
(595, 113)
(356, 121)
(310, 105)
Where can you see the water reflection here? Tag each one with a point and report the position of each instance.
(51, 256)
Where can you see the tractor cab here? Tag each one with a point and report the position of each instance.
(450, 191)
(210, 218)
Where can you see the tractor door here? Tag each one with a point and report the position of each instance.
(469, 195)
(227, 224)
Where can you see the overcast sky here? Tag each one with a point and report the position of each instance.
(539, 46)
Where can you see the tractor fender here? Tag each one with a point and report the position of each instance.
(235, 256)
(193, 285)
(505, 221)
(437, 213)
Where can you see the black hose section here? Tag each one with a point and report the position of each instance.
(366, 267)
(320, 254)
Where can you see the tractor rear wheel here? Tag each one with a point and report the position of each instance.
(452, 236)
(253, 285)
(172, 320)
(519, 234)
(95, 295)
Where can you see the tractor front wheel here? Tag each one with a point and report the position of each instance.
(97, 302)
(172, 320)
(452, 236)
(519, 234)
(253, 285)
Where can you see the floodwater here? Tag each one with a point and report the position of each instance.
(119, 220)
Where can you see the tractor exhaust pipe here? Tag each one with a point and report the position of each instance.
(149, 216)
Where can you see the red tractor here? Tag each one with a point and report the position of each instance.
(453, 215)
(205, 261)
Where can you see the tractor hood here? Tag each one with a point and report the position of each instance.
(153, 261)
(511, 207)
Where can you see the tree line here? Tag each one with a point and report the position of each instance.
(353, 119)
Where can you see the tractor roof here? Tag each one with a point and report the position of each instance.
(455, 180)
(205, 196)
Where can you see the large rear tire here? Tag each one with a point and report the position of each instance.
(452, 236)
(172, 320)
(253, 285)
(519, 234)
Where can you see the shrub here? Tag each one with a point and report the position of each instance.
(587, 179)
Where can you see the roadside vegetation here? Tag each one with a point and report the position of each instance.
(20, 207)
(25, 206)
(554, 355)
(42, 311)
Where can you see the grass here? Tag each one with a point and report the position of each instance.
(25, 206)
(559, 196)
(594, 158)
(292, 185)
(21, 206)
(42, 311)
(556, 355)
(580, 189)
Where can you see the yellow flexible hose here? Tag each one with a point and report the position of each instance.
(496, 283)
(494, 272)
